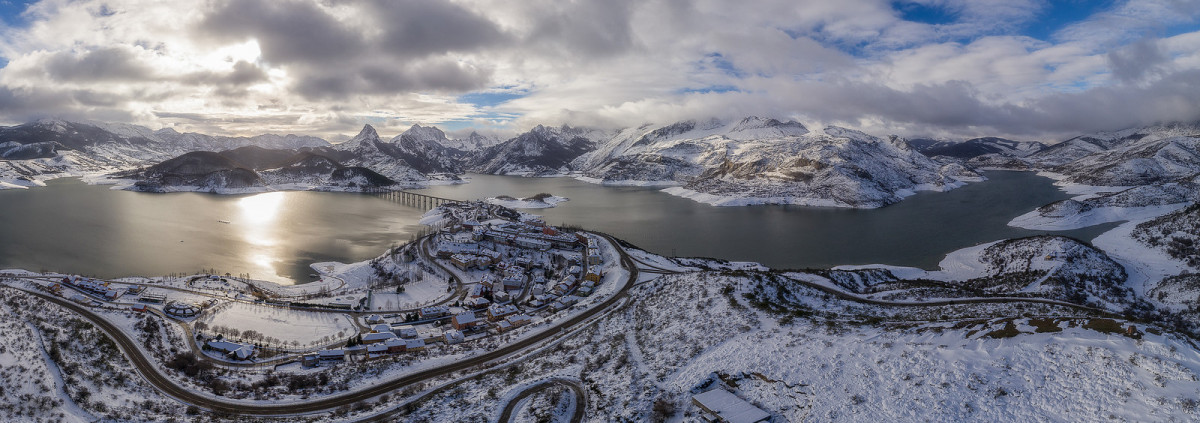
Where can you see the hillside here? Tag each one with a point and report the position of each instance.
(541, 151)
(977, 147)
(802, 355)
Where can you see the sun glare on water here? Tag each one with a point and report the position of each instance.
(259, 224)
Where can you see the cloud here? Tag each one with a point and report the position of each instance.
(325, 67)
(288, 31)
(416, 28)
(115, 63)
(1135, 61)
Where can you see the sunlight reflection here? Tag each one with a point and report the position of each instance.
(259, 224)
(261, 209)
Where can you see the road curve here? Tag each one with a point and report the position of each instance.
(580, 399)
(168, 387)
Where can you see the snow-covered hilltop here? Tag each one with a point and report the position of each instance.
(766, 161)
(250, 169)
(541, 151)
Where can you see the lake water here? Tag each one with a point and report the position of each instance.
(72, 227)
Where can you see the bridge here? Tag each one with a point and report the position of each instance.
(421, 201)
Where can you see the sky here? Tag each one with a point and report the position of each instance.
(1025, 69)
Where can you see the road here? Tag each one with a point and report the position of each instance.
(168, 387)
(580, 399)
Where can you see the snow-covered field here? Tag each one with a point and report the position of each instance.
(302, 327)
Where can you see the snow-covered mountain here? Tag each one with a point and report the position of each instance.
(1139, 157)
(223, 172)
(367, 150)
(472, 143)
(766, 161)
(541, 151)
(124, 145)
(976, 147)
(425, 149)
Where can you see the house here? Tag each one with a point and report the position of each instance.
(394, 345)
(532, 243)
(414, 344)
(453, 336)
(140, 308)
(465, 320)
(374, 319)
(376, 337)
(433, 312)
(487, 281)
(381, 328)
(498, 311)
(232, 349)
(514, 280)
(310, 360)
(594, 258)
(377, 350)
(406, 331)
(503, 326)
(331, 355)
(575, 270)
(723, 406)
(475, 291)
(584, 291)
(502, 296)
(476, 303)
(463, 261)
(592, 276)
(518, 320)
(538, 289)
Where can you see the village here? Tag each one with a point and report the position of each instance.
(485, 270)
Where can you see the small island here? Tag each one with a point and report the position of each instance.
(540, 201)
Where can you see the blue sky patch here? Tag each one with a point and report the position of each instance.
(932, 15)
(489, 99)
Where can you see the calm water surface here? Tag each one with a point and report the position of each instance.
(918, 231)
(73, 227)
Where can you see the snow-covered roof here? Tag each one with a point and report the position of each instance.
(729, 407)
(380, 336)
(382, 327)
(414, 343)
(465, 317)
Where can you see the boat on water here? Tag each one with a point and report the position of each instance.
(223, 221)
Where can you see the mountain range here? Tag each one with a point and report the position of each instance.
(743, 161)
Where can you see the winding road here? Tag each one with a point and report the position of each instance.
(154, 376)
(573, 386)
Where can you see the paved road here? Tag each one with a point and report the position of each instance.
(168, 387)
(580, 399)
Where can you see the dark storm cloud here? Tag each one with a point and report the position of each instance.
(1134, 61)
(287, 31)
(584, 29)
(421, 28)
(435, 75)
(243, 73)
(105, 64)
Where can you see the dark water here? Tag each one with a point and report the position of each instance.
(918, 231)
(73, 227)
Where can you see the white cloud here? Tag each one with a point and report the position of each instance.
(324, 68)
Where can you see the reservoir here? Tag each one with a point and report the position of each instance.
(69, 226)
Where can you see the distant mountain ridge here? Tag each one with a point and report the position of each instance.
(752, 160)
